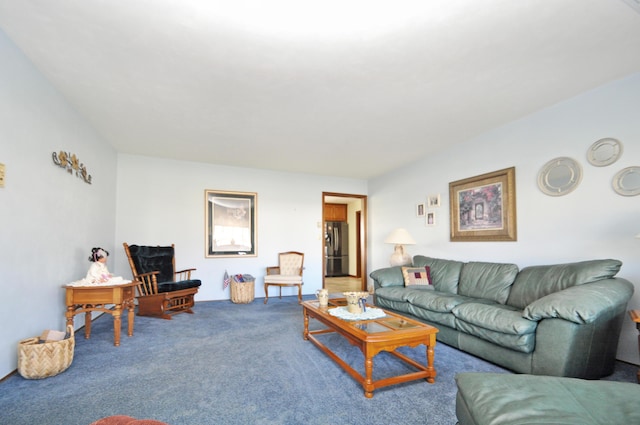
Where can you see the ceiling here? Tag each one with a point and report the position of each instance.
(333, 87)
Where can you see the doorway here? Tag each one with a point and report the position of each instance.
(346, 270)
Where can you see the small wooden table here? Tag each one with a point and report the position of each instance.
(372, 337)
(635, 316)
(87, 299)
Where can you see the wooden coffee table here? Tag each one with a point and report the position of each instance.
(372, 337)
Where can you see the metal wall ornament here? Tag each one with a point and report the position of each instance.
(71, 163)
(604, 152)
(559, 176)
(626, 182)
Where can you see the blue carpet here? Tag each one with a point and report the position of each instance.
(233, 364)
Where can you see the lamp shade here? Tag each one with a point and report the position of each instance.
(400, 236)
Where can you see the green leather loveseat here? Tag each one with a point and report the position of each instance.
(560, 320)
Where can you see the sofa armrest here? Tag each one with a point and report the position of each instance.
(390, 276)
(583, 303)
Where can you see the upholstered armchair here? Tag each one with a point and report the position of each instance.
(288, 272)
(162, 291)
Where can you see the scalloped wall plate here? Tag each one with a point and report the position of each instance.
(560, 176)
(604, 152)
(626, 182)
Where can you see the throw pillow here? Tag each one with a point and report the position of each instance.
(417, 277)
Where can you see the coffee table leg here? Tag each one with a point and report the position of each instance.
(430, 356)
(368, 381)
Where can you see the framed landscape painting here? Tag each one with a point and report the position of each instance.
(483, 208)
(230, 224)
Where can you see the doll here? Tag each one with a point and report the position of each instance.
(98, 272)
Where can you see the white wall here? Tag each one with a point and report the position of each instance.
(49, 219)
(591, 222)
(161, 202)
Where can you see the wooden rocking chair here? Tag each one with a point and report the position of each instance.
(162, 291)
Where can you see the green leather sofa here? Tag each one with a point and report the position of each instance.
(505, 399)
(560, 320)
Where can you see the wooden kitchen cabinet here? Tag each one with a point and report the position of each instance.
(335, 212)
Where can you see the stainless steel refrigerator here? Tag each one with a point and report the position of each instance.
(336, 237)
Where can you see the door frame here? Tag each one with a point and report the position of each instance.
(361, 236)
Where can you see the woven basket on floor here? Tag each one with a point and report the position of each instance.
(37, 361)
(242, 292)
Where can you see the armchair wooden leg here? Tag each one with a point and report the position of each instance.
(266, 293)
(299, 294)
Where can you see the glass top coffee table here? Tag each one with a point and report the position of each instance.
(373, 336)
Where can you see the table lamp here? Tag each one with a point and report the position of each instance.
(400, 237)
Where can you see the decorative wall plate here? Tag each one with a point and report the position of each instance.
(604, 152)
(627, 181)
(559, 176)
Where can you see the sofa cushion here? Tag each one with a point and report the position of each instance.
(535, 282)
(495, 317)
(434, 317)
(391, 304)
(524, 343)
(417, 277)
(445, 274)
(434, 300)
(490, 281)
(394, 293)
(497, 323)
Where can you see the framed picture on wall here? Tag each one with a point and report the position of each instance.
(230, 224)
(433, 201)
(483, 208)
(431, 218)
(420, 210)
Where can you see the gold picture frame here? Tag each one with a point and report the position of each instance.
(483, 208)
(230, 224)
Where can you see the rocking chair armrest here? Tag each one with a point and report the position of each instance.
(185, 270)
(273, 270)
(183, 274)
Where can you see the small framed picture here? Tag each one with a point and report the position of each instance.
(433, 201)
(420, 210)
(431, 218)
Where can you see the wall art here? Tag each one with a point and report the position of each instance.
(230, 224)
(431, 219)
(483, 208)
(71, 163)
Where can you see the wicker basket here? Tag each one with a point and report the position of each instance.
(41, 360)
(243, 292)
